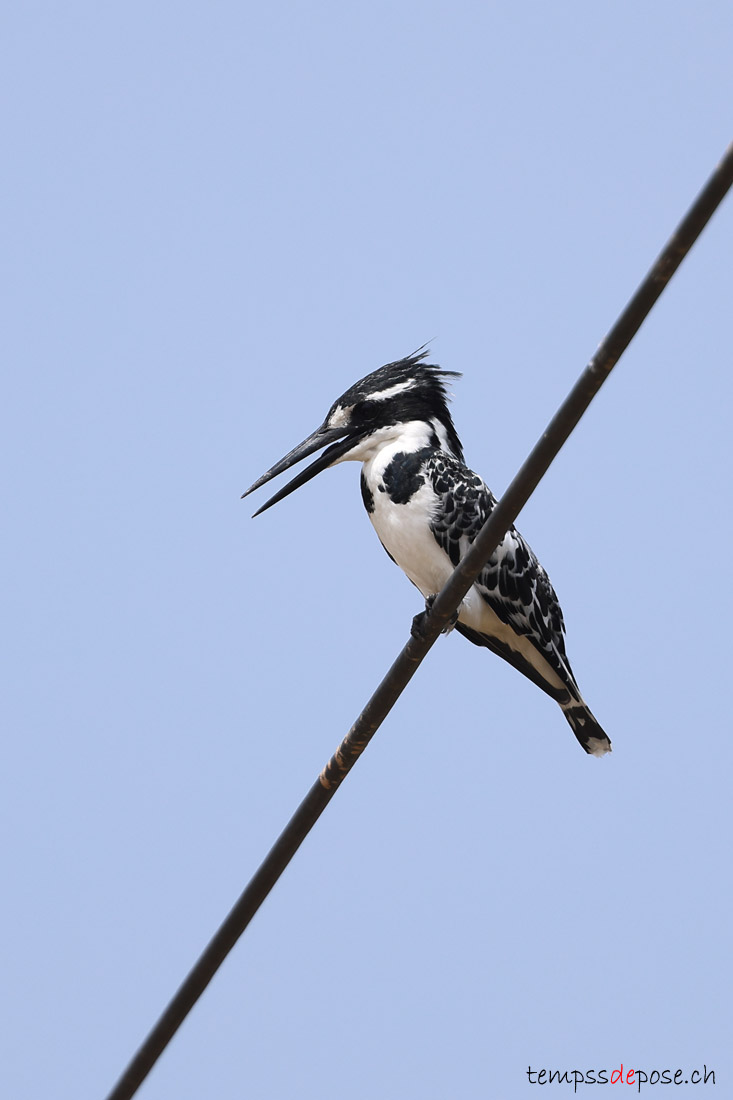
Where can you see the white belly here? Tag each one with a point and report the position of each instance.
(404, 530)
(405, 533)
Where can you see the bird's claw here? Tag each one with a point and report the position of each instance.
(418, 623)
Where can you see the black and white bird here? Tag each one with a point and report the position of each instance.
(427, 508)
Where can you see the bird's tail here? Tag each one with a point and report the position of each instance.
(585, 727)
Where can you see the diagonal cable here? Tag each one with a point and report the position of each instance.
(405, 666)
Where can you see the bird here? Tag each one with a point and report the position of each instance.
(427, 507)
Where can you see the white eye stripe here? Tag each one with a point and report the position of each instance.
(399, 387)
(341, 415)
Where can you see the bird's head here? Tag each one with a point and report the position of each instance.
(369, 414)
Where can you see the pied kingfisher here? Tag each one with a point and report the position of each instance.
(427, 508)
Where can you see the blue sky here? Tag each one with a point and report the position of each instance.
(216, 218)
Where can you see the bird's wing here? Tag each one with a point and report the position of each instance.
(512, 582)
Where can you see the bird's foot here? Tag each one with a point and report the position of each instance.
(418, 623)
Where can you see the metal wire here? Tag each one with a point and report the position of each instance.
(403, 669)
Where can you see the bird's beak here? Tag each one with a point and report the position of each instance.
(320, 438)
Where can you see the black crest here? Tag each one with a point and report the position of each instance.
(408, 389)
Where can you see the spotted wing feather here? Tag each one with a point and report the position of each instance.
(513, 583)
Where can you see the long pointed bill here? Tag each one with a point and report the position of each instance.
(314, 442)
